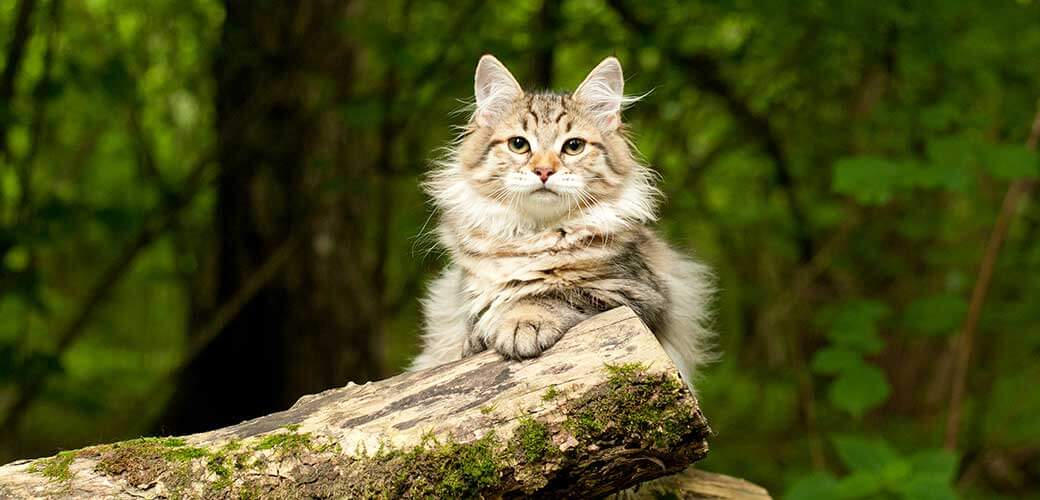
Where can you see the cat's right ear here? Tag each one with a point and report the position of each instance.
(495, 89)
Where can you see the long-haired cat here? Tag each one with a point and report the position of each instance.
(544, 211)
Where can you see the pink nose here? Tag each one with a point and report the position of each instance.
(544, 173)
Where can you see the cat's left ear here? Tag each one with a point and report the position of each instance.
(603, 91)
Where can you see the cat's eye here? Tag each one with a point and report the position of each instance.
(574, 146)
(519, 145)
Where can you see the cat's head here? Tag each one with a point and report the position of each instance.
(527, 160)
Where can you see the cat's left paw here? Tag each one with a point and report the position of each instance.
(526, 331)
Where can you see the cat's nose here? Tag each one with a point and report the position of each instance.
(543, 173)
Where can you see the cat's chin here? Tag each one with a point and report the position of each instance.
(544, 205)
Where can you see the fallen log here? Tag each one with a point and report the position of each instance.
(693, 484)
(601, 411)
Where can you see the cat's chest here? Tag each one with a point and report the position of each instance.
(545, 269)
(557, 259)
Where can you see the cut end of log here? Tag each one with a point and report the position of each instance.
(601, 411)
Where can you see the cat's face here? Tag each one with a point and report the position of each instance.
(546, 155)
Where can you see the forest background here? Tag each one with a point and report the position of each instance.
(209, 209)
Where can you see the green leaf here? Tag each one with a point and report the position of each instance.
(853, 325)
(935, 315)
(859, 389)
(1009, 161)
(938, 463)
(916, 488)
(868, 180)
(931, 477)
(858, 453)
(813, 487)
(1010, 417)
(859, 485)
(834, 360)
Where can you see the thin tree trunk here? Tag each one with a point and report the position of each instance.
(282, 72)
(15, 54)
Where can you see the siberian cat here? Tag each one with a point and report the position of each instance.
(544, 211)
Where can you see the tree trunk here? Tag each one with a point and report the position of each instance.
(283, 71)
(601, 411)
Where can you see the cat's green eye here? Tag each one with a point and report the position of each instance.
(519, 145)
(574, 146)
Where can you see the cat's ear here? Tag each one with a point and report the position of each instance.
(603, 91)
(494, 88)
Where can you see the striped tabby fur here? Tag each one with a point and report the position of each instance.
(532, 254)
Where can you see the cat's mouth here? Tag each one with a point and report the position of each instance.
(543, 191)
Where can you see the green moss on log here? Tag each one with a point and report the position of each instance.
(635, 403)
(532, 440)
(57, 468)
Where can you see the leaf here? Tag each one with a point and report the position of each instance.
(17, 258)
(931, 477)
(834, 360)
(869, 180)
(813, 487)
(1010, 161)
(859, 485)
(853, 325)
(935, 315)
(858, 389)
(1010, 418)
(917, 488)
(938, 463)
(863, 454)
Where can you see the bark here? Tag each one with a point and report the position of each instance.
(601, 411)
(283, 72)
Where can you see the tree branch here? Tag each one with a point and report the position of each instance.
(1016, 192)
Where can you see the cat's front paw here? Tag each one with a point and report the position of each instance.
(526, 331)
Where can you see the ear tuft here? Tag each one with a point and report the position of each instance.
(495, 88)
(603, 91)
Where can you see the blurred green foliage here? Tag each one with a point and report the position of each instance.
(840, 164)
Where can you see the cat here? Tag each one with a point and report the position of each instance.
(544, 212)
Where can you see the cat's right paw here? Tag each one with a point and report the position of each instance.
(526, 331)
